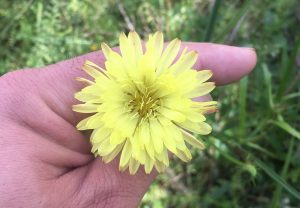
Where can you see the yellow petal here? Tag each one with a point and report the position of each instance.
(158, 40)
(86, 81)
(186, 81)
(116, 137)
(125, 120)
(204, 104)
(106, 148)
(204, 75)
(123, 168)
(177, 136)
(133, 166)
(150, 150)
(106, 50)
(189, 138)
(168, 56)
(88, 98)
(137, 45)
(108, 158)
(154, 48)
(89, 63)
(168, 139)
(114, 66)
(140, 156)
(163, 157)
(100, 134)
(171, 145)
(198, 128)
(183, 53)
(195, 116)
(95, 121)
(148, 165)
(94, 149)
(184, 63)
(202, 89)
(137, 152)
(156, 135)
(123, 42)
(145, 132)
(160, 167)
(111, 118)
(92, 71)
(205, 107)
(185, 155)
(85, 108)
(172, 114)
(128, 52)
(126, 154)
(82, 125)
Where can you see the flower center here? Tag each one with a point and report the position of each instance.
(144, 104)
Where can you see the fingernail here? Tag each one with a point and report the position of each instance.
(250, 48)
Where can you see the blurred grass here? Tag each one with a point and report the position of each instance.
(253, 156)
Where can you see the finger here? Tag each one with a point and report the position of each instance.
(202, 98)
(228, 63)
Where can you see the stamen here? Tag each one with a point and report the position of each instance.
(144, 104)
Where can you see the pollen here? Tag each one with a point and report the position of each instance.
(144, 104)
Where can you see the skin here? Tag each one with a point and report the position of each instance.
(46, 162)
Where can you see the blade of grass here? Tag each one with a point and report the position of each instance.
(287, 127)
(39, 16)
(261, 149)
(226, 155)
(212, 21)
(234, 21)
(268, 84)
(243, 165)
(278, 191)
(292, 96)
(277, 178)
(242, 105)
(289, 69)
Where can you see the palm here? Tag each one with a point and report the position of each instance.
(47, 153)
(46, 159)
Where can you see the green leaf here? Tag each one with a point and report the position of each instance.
(268, 84)
(277, 178)
(263, 150)
(287, 127)
(212, 21)
(278, 192)
(288, 72)
(242, 105)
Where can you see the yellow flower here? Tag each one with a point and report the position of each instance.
(143, 103)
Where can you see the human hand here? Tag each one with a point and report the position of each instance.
(46, 162)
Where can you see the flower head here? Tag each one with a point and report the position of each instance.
(143, 103)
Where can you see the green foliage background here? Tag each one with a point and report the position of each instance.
(253, 156)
